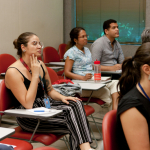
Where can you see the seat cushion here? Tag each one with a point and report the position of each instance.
(45, 138)
(21, 145)
(89, 110)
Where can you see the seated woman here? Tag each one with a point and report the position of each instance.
(29, 85)
(78, 65)
(133, 114)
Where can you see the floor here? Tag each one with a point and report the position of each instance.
(99, 112)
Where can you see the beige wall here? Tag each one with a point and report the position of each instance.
(43, 17)
(147, 13)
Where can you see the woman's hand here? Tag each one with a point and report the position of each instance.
(87, 76)
(35, 66)
(65, 99)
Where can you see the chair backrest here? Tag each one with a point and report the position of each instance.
(109, 131)
(62, 50)
(5, 99)
(5, 61)
(50, 54)
(53, 75)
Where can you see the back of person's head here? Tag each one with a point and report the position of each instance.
(74, 35)
(131, 69)
(106, 24)
(145, 36)
(22, 39)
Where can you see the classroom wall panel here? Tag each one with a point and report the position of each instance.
(147, 13)
(43, 17)
(9, 26)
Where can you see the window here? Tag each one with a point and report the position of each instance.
(129, 14)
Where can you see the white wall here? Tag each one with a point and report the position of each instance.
(43, 17)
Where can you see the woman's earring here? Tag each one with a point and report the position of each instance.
(149, 77)
(24, 50)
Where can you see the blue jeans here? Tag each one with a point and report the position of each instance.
(5, 147)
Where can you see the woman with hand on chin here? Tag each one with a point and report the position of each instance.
(29, 86)
(78, 65)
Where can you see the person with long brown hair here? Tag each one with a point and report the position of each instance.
(78, 65)
(29, 86)
(133, 114)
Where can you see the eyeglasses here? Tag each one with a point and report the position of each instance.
(84, 36)
(35, 43)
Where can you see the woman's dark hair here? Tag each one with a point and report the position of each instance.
(74, 35)
(106, 24)
(131, 69)
(22, 39)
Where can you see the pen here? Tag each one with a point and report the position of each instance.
(41, 110)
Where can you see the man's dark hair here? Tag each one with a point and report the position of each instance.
(106, 24)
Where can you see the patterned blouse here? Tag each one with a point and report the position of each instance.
(82, 62)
